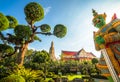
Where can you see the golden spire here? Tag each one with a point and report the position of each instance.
(52, 52)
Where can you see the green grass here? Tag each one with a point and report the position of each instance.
(110, 79)
(71, 77)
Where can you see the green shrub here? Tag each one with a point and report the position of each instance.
(4, 71)
(51, 80)
(50, 74)
(13, 78)
(99, 77)
(28, 74)
(4, 23)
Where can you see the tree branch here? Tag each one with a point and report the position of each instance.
(1, 35)
(44, 33)
(7, 55)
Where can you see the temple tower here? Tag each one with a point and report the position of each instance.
(52, 52)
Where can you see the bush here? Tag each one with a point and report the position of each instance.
(40, 79)
(50, 74)
(13, 78)
(77, 80)
(28, 74)
(99, 77)
(51, 80)
(4, 71)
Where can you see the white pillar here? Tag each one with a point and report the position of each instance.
(110, 66)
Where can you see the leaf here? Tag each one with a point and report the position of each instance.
(37, 38)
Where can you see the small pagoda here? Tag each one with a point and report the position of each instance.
(103, 67)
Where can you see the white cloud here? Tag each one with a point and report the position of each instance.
(31, 48)
(47, 10)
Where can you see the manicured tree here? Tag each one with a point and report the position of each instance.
(25, 34)
(6, 22)
(43, 58)
(94, 60)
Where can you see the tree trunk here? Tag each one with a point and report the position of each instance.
(21, 54)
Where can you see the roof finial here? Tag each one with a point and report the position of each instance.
(114, 16)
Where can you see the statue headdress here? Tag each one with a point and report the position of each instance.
(95, 14)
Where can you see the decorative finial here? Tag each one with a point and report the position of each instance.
(114, 16)
(94, 12)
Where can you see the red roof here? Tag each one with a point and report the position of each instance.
(69, 52)
(90, 53)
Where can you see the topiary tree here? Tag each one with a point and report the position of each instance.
(4, 23)
(12, 21)
(42, 58)
(94, 60)
(25, 34)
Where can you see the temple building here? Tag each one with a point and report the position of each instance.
(52, 52)
(80, 55)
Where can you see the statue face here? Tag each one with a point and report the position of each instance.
(99, 22)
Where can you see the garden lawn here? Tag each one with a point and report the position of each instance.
(110, 79)
(71, 77)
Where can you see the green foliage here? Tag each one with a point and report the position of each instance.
(34, 12)
(60, 31)
(6, 49)
(110, 79)
(41, 57)
(4, 71)
(26, 34)
(4, 23)
(50, 75)
(7, 65)
(94, 60)
(51, 80)
(7, 61)
(85, 71)
(29, 52)
(99, 77)
(37, 60)
(12, 21)
(45, 28)
(37, 38)
(14, 39)
(23, 32)
(28, 74)
(13, 78)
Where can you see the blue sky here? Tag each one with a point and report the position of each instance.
(76, 15)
